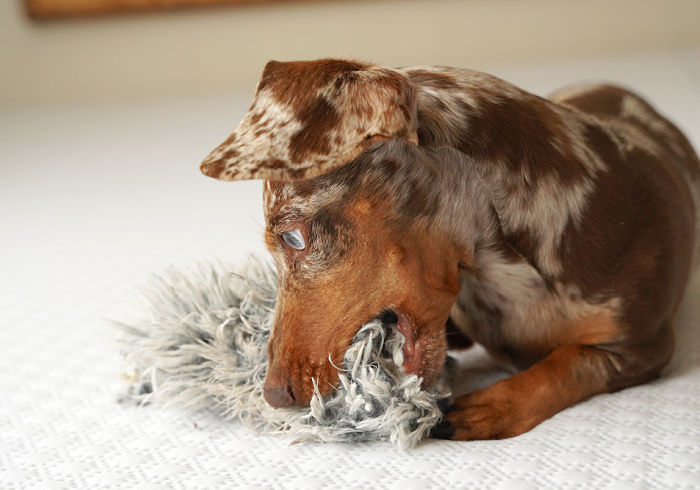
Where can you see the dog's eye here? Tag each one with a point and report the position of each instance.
(294, 239)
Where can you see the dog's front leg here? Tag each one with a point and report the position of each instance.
(510, 407)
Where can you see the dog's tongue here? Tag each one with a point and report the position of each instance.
(413, 347)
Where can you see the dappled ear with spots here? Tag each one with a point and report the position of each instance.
(310, 117)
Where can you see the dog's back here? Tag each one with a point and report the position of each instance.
(630, 114)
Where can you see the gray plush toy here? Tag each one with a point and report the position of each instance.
(204, 342)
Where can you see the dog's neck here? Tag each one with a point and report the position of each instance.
(483, 116)
(434, 192)
(465, 214)
(504, 129)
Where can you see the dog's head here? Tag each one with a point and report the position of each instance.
(356, 239)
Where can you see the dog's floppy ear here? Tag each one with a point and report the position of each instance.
(310, 117)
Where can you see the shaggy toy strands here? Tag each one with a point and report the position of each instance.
(204, 346)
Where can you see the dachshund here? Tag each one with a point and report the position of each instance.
(558, 233)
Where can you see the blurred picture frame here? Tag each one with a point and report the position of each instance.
(55, 9)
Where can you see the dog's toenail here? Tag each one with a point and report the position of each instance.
(444, 405)
(443, 430)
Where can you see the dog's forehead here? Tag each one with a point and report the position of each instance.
(301, 199)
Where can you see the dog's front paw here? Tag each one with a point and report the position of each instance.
(480, 416)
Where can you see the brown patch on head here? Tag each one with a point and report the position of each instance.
(292, 82)
(310, 117)
(317, 118)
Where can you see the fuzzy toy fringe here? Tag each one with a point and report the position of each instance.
(204, 342)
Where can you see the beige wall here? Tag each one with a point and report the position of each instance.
(225, 49)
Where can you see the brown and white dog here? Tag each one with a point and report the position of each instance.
(559, 233)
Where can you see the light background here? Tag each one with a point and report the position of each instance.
(224, 49)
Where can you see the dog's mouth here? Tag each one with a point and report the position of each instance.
(413, 348)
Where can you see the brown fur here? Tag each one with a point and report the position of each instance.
(558, 233)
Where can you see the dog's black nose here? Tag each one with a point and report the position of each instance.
(388, 317)
(281, 397)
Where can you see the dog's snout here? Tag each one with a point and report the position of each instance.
(279, 397)
(278, 389)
